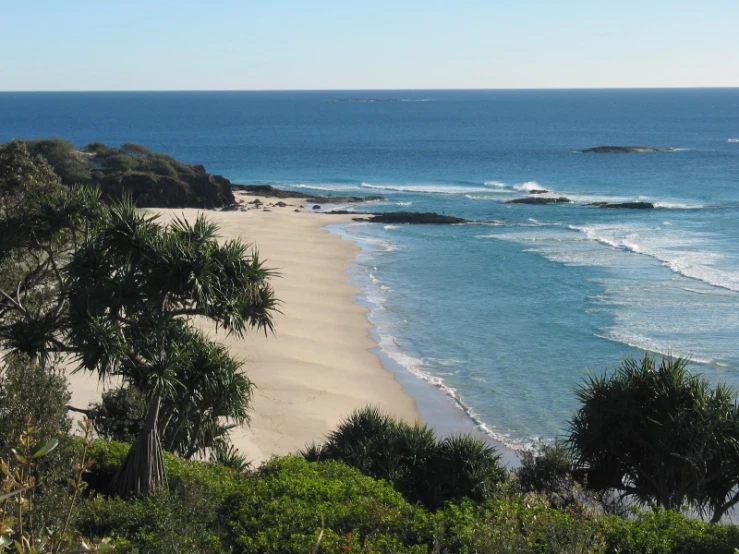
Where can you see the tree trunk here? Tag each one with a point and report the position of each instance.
(143, 469)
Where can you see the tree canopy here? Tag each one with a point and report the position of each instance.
(659, 434)
(116, 290)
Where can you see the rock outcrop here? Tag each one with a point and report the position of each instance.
(200, 190)
(268, 191)
(625, 205)
(540, 200)
(624, 149)
(429, 218)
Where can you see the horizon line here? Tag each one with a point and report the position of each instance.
(376, 89)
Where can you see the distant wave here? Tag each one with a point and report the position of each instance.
(432, 189)
(327, 187)
(654, 346)
(680, 206)
(403, 203)
(682, 255)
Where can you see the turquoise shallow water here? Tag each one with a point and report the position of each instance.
(504, 316)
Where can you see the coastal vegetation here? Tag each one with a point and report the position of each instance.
(93, 282)
(151, 179)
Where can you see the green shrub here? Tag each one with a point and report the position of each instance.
(290, 502)
(667, 532)
(515, 525)
(421, 467)
(120, 414)
(192, 515)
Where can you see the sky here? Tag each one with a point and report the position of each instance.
(359, 45)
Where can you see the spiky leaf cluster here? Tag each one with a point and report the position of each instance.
(660, 434)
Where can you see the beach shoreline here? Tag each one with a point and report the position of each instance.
(317, 368)
(324, 360)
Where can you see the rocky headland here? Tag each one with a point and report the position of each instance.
(153, 180)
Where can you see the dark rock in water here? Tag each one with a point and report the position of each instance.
(316, 207)
(539, 200)
(624, 149)
(624, 205)
(539, 191)
(268, 191)
(414, 218)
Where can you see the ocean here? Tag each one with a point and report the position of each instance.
(506, 316)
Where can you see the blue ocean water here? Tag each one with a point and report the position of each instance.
(507, 315)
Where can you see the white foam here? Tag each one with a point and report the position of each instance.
(679, 206)
(643, 342)
(403, 203)
(495, 184)
(496, 199)
(390, 227)
(428, 189)
(327, 187)
(684, 254)
(529, 186)
(389, 345)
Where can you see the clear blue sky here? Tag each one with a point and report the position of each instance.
(354, 44)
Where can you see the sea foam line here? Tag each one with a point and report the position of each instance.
(693, 264)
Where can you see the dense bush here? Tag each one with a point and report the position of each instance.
(191, 515)
(119, 415)
(515, 525)
(290, 502)
(549, 469)
(70, 164)
(420, 466)
(667, 532)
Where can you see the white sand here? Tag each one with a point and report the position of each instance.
(317, 368)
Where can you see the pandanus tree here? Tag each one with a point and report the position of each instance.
(133, 290)
(118, 291)
(659, 434)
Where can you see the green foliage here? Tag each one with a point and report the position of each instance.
(135, 149)
(118, 290)
(549, 469)
(30, 391)
(151, 178)
(70, 164)
(120, 414)
(227, 455)
(667, 532)
(423, 468)
(24, 523)
(290, 502)
(515, 525)
(659, 434)
(191, 515)
(22, 173)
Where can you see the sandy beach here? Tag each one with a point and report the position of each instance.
(318, 367)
